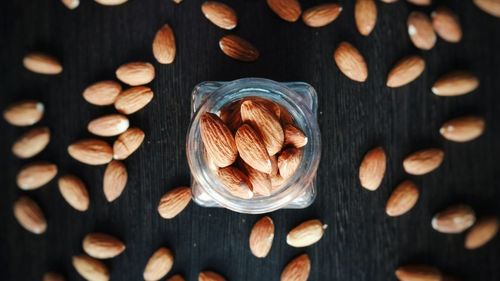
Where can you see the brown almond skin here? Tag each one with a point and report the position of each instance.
(294, 136)
(220, 14)
(297, 269)
(288, 10)
(24, 113)
(235, 182)
(261, 182)
(463, 129)
(218, 140)
(405, 71)
(176, 277)
(36, 175)
(158, 265)
(372, 169)
(210, 276)
(423, 161)
(261, 237)
(238, 48)
(31, 143)
(127, 143)
(420, 2)
(102, 246)
(91, 151)
(365, 15)
(164, 47)
(90, 268)
(42, 63)
(421, 31)
(252, 149)
(136, 73)
(52, 276)
(73, 190)
(115, 180)
(455, 83)
(454, 219)
(174, 202)
(491, 7)
(402, 199)
(350, 62)
(418, 273)
(108, 125)
(29, 215)
(289, 161)
(133, 99)
(231, 116)
(321, 15)
(102, 93)
(446, 25)
(306, 234)
(481, 233)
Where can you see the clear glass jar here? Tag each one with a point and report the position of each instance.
(299, 99)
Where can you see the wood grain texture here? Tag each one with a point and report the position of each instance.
(361, 242)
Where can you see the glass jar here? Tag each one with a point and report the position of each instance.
(300, 99)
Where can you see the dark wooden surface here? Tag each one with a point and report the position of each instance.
(361, 242)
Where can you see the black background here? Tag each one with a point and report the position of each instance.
(361, 242)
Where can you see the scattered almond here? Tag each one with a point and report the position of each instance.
(297, 269)
(91, 151)
(418, 273)
(294, 136)
(42, 63)
(164, 47)
(372, 169)
(365, 14)
(210, 276)
(133, 99)
(454, 219)
(220, 14)
(36, 175)
(420, 2)
(260, 182)
(102, 246)
(421, 31)
(402, 199)
(71, 4)
(110, 2)
(288, 10)
(350, 62)
(24, 113)
(238, 48)
(261, 237)
(158, 265)
(109, 125)
(218, 140)
(102, 93)
(423, 161)
(236, 182)
(289, 161)
(481, 233)
(306, 234)
(405, 71)
(446, 25)
(321, 15)
(90, 269)
(73, 190)
(174, 202)
(29, 215)
(463, 129)
(252, 149)
(31, 143)
(52, 276)
(115, 180)
(491, 7)
(136, 73)
(455, 83)
(127, 143)
(176, 277)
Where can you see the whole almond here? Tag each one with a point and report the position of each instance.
(350, 62)
(271, 106)
(491, 7)
(109, 125)
(235, 182)
(52, 276)
(481, 233)
(297, 269)
(210, 276)
(463, 129)
(133, 99)
(158, 265)
(174, 202)
(454, 219)
(29, 215)
(446, 25)
(102, 246)
(127, 143)
(261, 182)
(231, 116)
(405, 71)
(136, 73)
(288, 10)
(423, 161)
(71, 4)
(418, 273)
(90, 268)
(24, 113)
(289, 161)
(265, 123)
(73, 190)
(31, 143)
(164, 47)
(321, 15)
(365, 14)
(306, 234)
(115, 180)
(110, 2)
(294, 136)
(91, 151)
(420, 2)
(261, 237)
(176, 277)
(455, 83)
(42, 63)
(238, 48)
(252, 149)
(402, 199)
(421, 31)
(220, 14)
(102, 93)
(372, 168)
(218, 140)
(36, 175)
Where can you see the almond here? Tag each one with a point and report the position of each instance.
(70, 4)
(421, 31)
(446, 25)
(133, 99)
(321, 15)
(102, 93)
(350, 62)
(238, 48)
(297, 269)
(127, 143)
(136, 73)
(423, 161)
(372, 169)
(261, 182)
(218, 140)
(35, 175)
(235, 182)
(294, 136)
(455, 83)
(261, 237)
(420, 2)
(274, 165)
(220, 14)
(73, 190)
(405, 71)
(24, 113)
(158, 265)
(365, 14)
(252, 150)
(90, 269)
(271, 106)
(289, 161)
(42, 63)
(109, 125)
(52, 276)
(454, 219)
(402, 199)
(102, 246)
(481, 233)
(265, 123)
(491, 7)
(276, 182)
(31, 143)
(210, 276)
(91, 151)
(288, 10)
(418, 273)
(174, 202)
(29, 215)
(463, 129)
(115, 180)
(110, 2)
(164, 47)
(306, 234)
(176, 277)
(231, 116)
